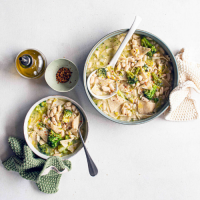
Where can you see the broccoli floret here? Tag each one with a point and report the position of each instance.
(145, 43)
(67, 137)
(53, 139)
(137, 70)
(43, 104)
(66, 151)
(38, 109)
(146, 68)
(156, 79)
(150, 93)
(41, 108)
(156, 100)
(61, 148)
(67, 114)
(101, 72)
(44, 148)
(132, 78)
(40, 124)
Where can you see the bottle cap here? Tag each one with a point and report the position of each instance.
(25, 61)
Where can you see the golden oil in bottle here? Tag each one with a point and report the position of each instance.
(31, 63)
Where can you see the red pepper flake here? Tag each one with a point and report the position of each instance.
(63, 75)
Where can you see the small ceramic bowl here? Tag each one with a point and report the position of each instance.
(85, 126)
(51, 71)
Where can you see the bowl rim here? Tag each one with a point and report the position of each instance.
(59, 68)
(175, 83)
(26, 124)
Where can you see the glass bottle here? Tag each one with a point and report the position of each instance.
(31, 63)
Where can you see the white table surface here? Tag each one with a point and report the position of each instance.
(159, 160)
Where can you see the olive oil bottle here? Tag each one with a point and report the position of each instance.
(31, 63)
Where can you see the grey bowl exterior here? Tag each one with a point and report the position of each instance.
(174, 65)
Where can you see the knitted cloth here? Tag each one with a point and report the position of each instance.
(182, 105)
(32, 168)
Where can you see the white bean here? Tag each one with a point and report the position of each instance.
(158, 61)
(54, 121)
(129, 113)
(168, 76)
(104, 106)
(156, 54)
(130, 59)
(137, 84)
(92, 80)
(54, 110)
(96, 80)
(118, 67)
(162, 50)
(123, 64)
(108, 74)
(167, 88)
(57, 116)
(127, 68)
(49, 101)
(161, 90)
(73, 107)
(68, 104)
(112, 88)
(62, 132)
(140, 78)
(76, 111)
(89, 64)
(51, 114)
(48, 113)
(157, 94)
(145, 99)
(145, 57)
(59, 108)
(106, 89)
(68, 108)
(134, 42)
(123, 111)
(64, 127)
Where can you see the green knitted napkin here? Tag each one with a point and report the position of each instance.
(31, 167)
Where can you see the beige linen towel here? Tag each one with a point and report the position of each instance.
(182, 104)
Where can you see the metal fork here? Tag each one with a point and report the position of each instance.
(91, 166)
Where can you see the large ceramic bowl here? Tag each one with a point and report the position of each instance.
(162, 44)
(85, 126)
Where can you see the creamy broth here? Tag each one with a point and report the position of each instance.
(143, 74)
(53, 127)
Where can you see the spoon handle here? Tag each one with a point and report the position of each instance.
(134, 26)
(91, 166)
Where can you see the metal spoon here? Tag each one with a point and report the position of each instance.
(113, 62)
(91, 166)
